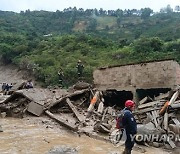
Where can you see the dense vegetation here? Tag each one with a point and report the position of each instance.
(42, 42)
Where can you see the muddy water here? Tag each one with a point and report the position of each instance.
(30, 136)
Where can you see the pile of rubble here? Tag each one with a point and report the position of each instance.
(82, 110)
(160, 118)
(69, 108)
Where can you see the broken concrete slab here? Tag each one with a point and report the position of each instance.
(35, 108)
(40, 98)
(37, 95)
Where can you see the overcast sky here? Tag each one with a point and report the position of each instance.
(53, 5)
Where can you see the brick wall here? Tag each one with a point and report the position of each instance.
(162, 74)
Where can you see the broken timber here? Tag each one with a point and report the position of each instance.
(150, 104)
(67, 96)
(144, 100)
(61, 121)
(73, 108)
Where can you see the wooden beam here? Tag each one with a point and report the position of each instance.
(62, 121)
(141, 111)
(173, 98)
(105, 111)
(176, 121)
(154, 118)
(80, 117)
(175, 106)
(150, 104)
(144, 100)
(67, 96)
(162, 96)
(165, 122)
(171, 143)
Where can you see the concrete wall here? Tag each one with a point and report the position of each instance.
(161, 74)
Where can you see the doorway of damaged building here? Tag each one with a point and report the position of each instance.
(117, 98)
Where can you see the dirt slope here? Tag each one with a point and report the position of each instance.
(10, 74)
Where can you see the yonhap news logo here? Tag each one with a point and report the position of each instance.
(155, 137)
(116, 136)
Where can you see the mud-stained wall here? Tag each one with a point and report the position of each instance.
(177, 74)
(161, 74)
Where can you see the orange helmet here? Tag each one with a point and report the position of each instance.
(129, 103)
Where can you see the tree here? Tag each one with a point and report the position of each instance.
(102, 12)
(167, 9)
(173, 46)
(92, 25)
(148, 44)
(119, 13)
(177, 8)
(145, 13)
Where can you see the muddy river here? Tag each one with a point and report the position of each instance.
(37, 135)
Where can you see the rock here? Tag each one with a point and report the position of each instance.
(167, 146)
(174, 128)
(63, 150)
(148, 128)
(81, 85)
(3, 114)
(156, 144)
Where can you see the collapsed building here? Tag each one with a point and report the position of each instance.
(93, 111)
(136, 81)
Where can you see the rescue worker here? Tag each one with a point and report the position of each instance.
(61, 77)
(80, 68)
(29, 84)
(3, 87)
(7, 87)
(130, 126)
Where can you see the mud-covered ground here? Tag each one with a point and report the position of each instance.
(37, 135)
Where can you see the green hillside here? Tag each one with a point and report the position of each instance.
(42, 42)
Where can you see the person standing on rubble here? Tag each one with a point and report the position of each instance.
(130, 125)
(80, 68)
(61, 77)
